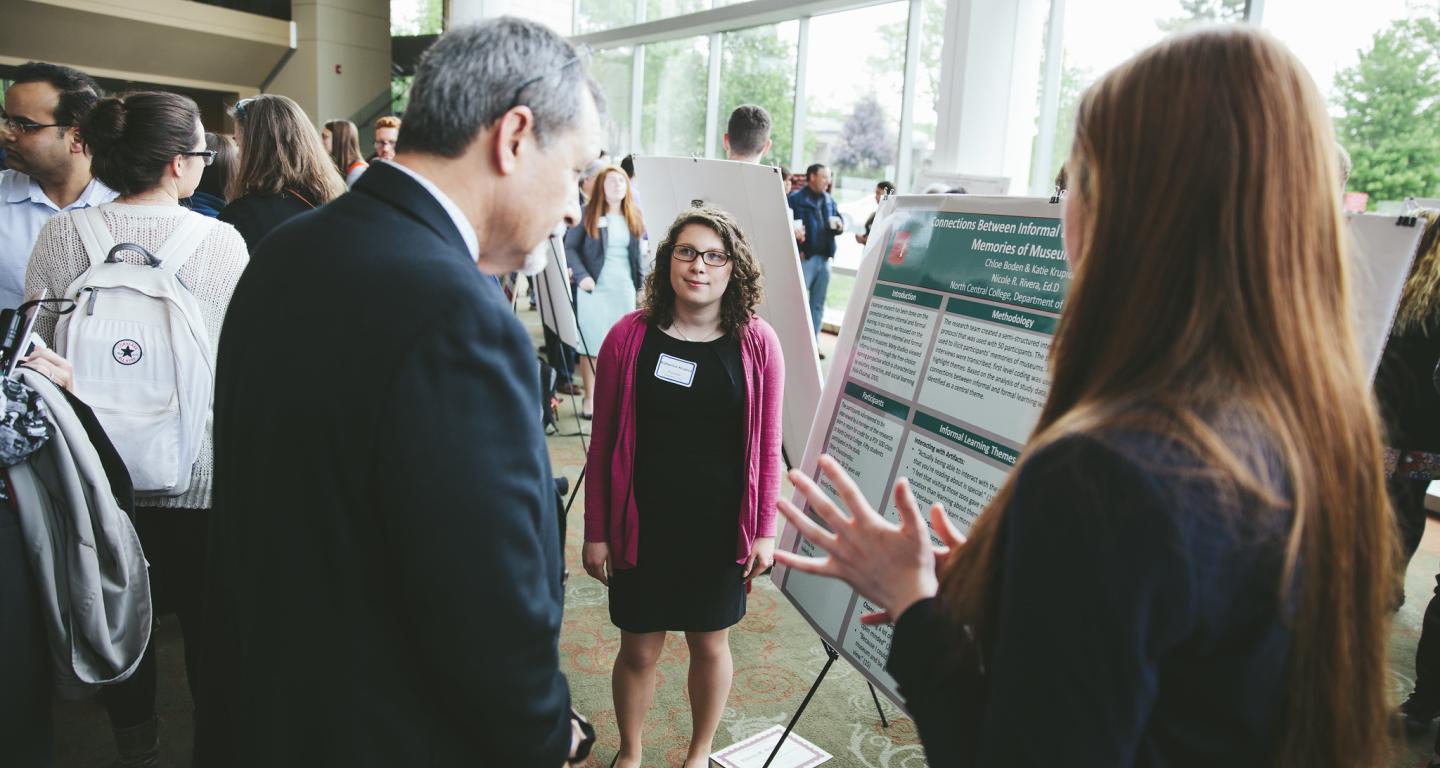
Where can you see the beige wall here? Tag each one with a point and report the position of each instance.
(353, 34)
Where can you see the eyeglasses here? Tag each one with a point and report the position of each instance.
(711, 258)
(207, 154)
(22, 126)
(580, 53)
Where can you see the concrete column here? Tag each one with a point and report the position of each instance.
(341, 68)
(989, 81)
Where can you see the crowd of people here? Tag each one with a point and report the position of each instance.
(1195, 560)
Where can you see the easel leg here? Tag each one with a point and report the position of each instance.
(830, 652)
(884, 722)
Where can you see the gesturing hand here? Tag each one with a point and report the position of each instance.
(891, 565)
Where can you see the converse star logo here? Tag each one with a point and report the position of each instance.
(127, 352)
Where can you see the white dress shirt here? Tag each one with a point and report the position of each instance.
(24, 209)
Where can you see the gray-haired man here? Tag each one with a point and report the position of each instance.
(384, 573)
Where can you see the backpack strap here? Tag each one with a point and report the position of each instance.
(182, 243)
(94, 233)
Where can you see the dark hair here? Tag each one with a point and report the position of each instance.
(785, 172)
(814, 169)
(745, 290)
(474, 74)
(749, 129)
(344, 144)
(283, 153)
(78, 91)
(627, 164)
(133, 137)
(887, 186)
(216, 177)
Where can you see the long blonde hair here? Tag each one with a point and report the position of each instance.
(280, 151)
(1211, 279)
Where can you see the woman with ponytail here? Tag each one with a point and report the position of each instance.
(1194, 561)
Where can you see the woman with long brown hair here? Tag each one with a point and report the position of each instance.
(283, 171)
(1193, 562)
(342, 140)
(603, 253)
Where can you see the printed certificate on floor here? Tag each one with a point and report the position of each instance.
(939, 376)
(754, 751)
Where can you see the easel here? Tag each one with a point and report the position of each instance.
(543, 301)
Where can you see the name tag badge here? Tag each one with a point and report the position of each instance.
(675, 370)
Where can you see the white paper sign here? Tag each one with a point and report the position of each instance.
(754, 751)
(1380, 257)
(552, 288)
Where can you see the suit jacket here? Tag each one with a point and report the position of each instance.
(585, 255)
(383, 583)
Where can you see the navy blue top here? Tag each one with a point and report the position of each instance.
(815, 210)
(1138, 621)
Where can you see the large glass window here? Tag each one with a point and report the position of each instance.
(677, 74)
(854, 76)
(1099, 34)
(1378, 63)
(597, 15)
(757, 66)
(613, 69)
(417, 17)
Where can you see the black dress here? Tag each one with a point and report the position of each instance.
(689, 485)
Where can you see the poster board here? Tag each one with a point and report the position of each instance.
(941, 369)
(939, 376)
(1381, 252)
(753, 195)
(552, 285)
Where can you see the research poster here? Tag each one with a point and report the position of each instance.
(940, 375)
(754, 195)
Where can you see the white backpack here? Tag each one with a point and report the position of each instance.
(141, 353)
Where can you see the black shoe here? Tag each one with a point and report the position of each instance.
(1418, 714)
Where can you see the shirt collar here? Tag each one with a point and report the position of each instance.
(17, 187)
(472, 241)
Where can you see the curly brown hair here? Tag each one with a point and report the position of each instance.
(741, 295)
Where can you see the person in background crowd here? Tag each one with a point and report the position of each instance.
(342, 141)
(747, 135)
(283, 171)
(592, 171)
(398, 473)
(1201, 509)
(209, 197)
(785, 180)
(49, 169)
(688, 408)
(820, 223)
(387, 133)
(603, 253)
(797, 182)
(627, 164)
(150, 148)
(881, 190)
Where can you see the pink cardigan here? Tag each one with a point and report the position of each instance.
(611, 515)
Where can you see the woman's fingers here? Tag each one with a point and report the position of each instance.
(945, 529)
(876, 618)
(819, 501)
(909, 511)
(820, 566)
(849, 492)
(807, 527)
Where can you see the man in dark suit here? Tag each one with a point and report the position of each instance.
(384, 573)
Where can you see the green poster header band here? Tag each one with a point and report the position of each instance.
(909, 296)
(967, 439)
(886, 404)
(1003, 315)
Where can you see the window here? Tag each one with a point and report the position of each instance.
(1365, 56)
(854, 77)
(677, 74)
(927, 92)
(757, 66)
(1098, 35)
(417, 17)
(597, 15)
(613, 69)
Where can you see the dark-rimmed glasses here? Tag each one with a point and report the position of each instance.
(207, 154)
(711, 258)
(25, 127)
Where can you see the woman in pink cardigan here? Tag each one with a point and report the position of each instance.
(684, 468)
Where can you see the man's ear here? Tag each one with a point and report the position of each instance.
(768, 143)
(76, 145)
(510, 133)
(725, 139)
